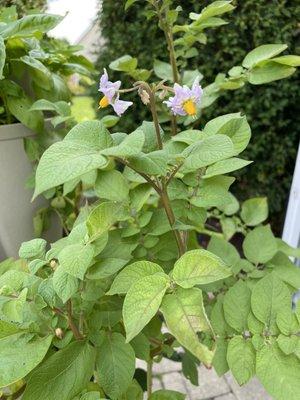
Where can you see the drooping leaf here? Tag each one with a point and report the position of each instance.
(20, 353)
(269, 297)
(63, 375)
(115, 364)
(241, 359)
(237, 306)
(185, 316)
(198, 267)
(268, 72)
(142, 301)
(130, 146)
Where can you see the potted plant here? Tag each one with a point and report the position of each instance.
(131, 279)
(32, 68)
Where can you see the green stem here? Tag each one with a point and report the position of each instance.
(149, 378)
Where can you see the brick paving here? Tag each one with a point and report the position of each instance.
(166, 375)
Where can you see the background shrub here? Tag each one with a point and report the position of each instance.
(23, 6)
(272, 109)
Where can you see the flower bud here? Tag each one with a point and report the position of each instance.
(59, 333)
(144, 95)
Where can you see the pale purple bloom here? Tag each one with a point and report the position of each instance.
(111, 95)
(120, 106)
(108, 88)
(185, 100)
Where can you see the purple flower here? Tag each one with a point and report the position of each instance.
(185, 100)
(120, 106)
(111, 95)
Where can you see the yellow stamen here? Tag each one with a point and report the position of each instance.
(104, 102)
(189, 107)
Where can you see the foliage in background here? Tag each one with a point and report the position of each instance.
(274, 115)
(25, 6)
(38, 76)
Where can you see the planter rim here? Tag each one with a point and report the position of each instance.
(14, 132)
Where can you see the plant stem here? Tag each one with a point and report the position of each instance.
(72, 325)
(149, 378)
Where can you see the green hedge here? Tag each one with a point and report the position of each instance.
(273, 110)
(23, 6)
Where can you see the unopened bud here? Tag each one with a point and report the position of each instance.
(53, 264)
(163, 94)
(144, 95)
(59, 333)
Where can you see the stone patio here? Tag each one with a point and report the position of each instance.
(166, 375)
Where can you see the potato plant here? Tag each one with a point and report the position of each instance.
(133, 280)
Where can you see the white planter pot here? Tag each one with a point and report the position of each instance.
(16, 209)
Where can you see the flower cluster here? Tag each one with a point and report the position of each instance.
(184, 102)
(111, 95)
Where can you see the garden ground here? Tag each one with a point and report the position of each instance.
(166, 375)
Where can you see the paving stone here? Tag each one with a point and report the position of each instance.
(210, 385)
(174, 381)
(166, 366)
(252, 391)
(156, 384)
(228, 396)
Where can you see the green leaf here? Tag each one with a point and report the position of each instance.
(92, 133)
(253, 248)
(129, 3)
(76, 258)
(129, 147)
(213, 192)
(291, 60)
(141, 347)
(142, 301)
(64, 284)
(30, 24)
(268, 72)
(115, 364)
(111, 185)
(241, 359)
(233, 125)
(63, 375)
(20, 353)
(163, 70)
(2, 56)
(185, 316)
(20, 108)
(103, 217)
(269, 297)
(106, 267)
(199, 267)
(134, 392)
(190, 367)
(237, 306)
(223, 249)
(262, 53)
(131, 274)
(154, 163)
(220, 363)
(278, 372)
(254, 211)
(213, 9)
(125, 63)
(207, 151)
(64, 161)
(225, 166)
(39, 72)
(167, 395)
(35, 248)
